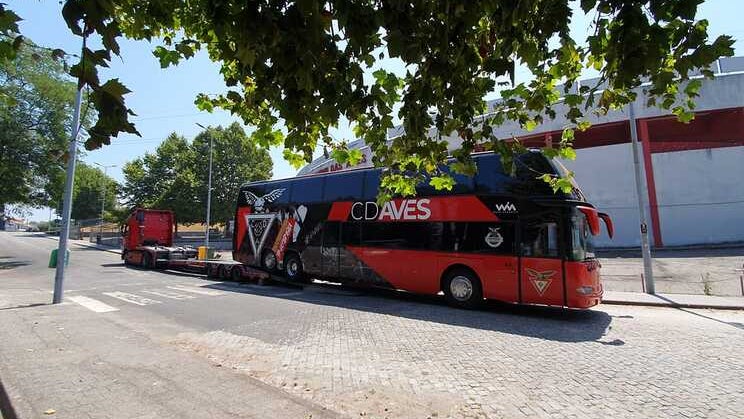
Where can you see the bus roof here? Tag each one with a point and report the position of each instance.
(364, 183)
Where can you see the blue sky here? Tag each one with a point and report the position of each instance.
(163, 98)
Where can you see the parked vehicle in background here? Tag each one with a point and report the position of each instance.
(493, 236)
(148, 243)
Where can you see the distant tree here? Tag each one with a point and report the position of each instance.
(35, 119)
(175, 176)
(235, 160)
(87, 192)
(90, 184)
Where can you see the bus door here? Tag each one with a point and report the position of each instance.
(490, 248)
(541, 263)
(330, 250)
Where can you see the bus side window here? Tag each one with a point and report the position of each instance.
(492, 238)
(540, 240)
(331, 230)
(316, 235)
(351, 234)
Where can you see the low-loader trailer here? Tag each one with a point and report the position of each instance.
(148, 243)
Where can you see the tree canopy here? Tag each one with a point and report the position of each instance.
(88, 193)
(35, 119)
(295, 69)
(175, 176)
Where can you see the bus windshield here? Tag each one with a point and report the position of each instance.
(582, 241)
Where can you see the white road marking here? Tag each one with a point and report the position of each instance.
(195, 290)
(91, 304)
(132, 298)
(170, 294)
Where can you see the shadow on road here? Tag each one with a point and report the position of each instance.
(548, 323)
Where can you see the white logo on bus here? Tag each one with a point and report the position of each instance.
(494, 237)
(407, 209)
(507, 207)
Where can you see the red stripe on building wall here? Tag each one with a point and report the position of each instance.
(650, 182)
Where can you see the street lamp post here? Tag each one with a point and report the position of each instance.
(103, 193)
(648, 269)
(209, 188)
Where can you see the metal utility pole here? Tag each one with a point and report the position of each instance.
(64, 233)
(103, 193)
(648, 271)
(209, 188)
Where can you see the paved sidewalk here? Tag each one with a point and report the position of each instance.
(53, 360)
(673, 300)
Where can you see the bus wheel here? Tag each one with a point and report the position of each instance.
(293, 267)
(463, 289)
(268, 260)
(146, 261)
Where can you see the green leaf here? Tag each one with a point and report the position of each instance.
(567, 153)
(442, 182)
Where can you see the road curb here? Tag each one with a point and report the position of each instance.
(91, 245)
(671, 305)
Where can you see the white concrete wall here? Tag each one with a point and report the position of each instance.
(605, 175)
(701, 195)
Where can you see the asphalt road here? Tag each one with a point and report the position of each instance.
(381, 354)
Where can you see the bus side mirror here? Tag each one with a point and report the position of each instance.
(608, 222)
(591, 218)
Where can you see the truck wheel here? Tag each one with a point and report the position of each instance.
(268, 260)
(293, 268)
(462, 288)
(146, 262)
(235, 274)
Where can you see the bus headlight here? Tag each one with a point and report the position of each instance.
(585, 290)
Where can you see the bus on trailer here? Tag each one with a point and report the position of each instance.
(493, 236)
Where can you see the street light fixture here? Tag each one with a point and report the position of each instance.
(209, 188)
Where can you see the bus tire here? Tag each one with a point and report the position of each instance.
(146, 261)
(293, 268)
(268, 260)
(463, 289)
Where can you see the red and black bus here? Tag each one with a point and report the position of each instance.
(493, 236)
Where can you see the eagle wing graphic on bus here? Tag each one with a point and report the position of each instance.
(259, 202)
(540, 280)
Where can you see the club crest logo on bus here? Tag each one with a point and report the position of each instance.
(407, 210)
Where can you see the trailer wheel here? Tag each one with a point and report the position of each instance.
(462, 288)
(146, 262)
(293, 267)
(236, 274)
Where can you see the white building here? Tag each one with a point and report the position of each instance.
(694, 172)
